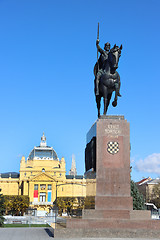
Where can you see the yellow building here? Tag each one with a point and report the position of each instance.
(42, 177)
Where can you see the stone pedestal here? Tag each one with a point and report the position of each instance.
(113, 165)
(113, 213)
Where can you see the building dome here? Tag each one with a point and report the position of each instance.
(43, 152)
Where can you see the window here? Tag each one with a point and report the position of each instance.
(43, 170)
(49, 187)
(35, 186)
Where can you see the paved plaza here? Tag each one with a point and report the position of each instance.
(26, 233)
(44, 234)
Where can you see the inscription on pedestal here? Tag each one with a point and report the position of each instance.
(113, 130)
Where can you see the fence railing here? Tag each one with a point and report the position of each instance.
(30, 219)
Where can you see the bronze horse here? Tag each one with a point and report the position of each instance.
(109, 80)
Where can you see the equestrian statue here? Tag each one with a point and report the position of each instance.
(107, 79)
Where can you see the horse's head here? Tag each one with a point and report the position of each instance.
(113, 56)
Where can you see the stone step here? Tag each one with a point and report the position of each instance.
(116, 214)
(107, 233)
(111, 214)
(113, 223)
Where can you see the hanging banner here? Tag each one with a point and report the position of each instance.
(49, 196)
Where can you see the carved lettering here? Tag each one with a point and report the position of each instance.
(113, 129)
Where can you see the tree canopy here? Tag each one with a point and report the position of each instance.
(2, 210)
(66, 203)
(138, 200)
(16, 205)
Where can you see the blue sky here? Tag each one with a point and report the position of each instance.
(47, 55)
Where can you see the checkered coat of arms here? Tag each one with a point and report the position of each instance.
(113, 147)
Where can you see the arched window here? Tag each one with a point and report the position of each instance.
(43, 170)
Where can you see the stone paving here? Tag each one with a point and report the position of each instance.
(26, 233)
(44, 234)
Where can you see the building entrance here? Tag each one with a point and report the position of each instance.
(42, 197)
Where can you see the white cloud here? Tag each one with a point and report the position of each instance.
(150, 164)
(132, 160)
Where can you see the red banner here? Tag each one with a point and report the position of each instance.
(35, 193)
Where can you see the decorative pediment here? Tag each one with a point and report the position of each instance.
(42, 177)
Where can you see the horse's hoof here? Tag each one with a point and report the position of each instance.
(114, 103)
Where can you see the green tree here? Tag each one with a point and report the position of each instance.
(66, 204)
(2, 210)
(80, 203)
(89, 202)
(138, 201)
(16, 205)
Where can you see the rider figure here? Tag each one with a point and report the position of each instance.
(101, 70)
(103, 58)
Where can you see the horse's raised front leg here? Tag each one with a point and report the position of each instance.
(117, 88)
(114, 103)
